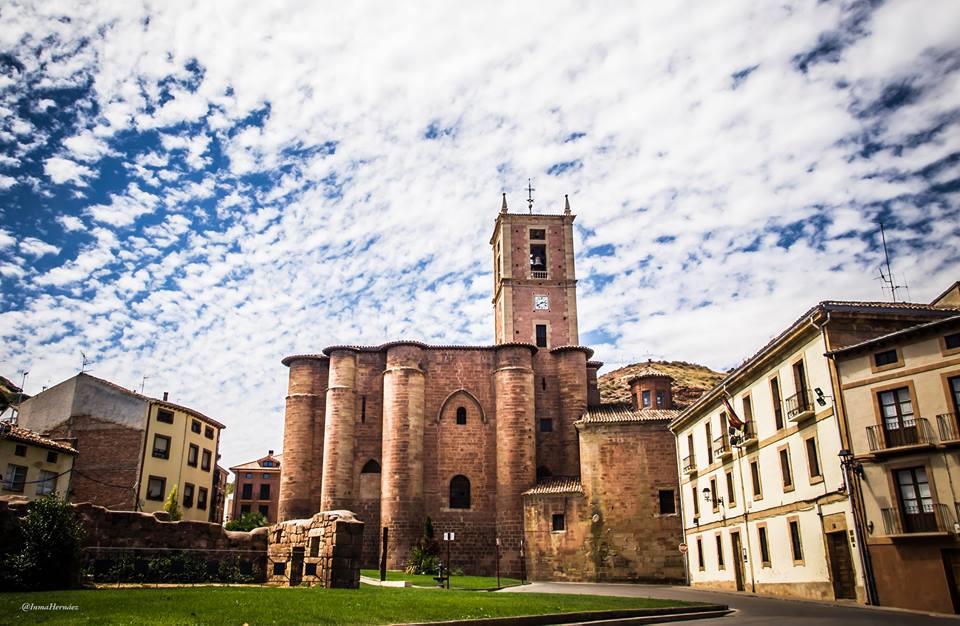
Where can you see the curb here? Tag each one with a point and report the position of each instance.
(606, 618)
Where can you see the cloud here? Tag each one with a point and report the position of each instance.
(217, 205)
(6, 182)
(34, 247)
(61, 170)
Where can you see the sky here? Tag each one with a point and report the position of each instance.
(190, 191)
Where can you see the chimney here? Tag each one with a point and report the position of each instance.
(165, 396)
(270, 452)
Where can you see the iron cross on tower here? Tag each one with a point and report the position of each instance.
(530, 191)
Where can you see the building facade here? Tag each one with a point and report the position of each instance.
(766, 506)
(133, 448)
(470, 436)
(257, 487)
(901, 395)
(33, 466)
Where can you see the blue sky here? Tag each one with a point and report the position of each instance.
(191, 191)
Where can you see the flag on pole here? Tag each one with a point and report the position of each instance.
(732, 418)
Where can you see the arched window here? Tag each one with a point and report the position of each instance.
(371, 467)
(543, 472)
(461, 415)
(460, 492)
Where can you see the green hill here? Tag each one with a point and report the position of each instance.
(690, 381)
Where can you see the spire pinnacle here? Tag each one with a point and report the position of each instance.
(566, 204)
(503, 206)
(530, 191)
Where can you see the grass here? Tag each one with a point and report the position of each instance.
(456, 582)
(267, 605)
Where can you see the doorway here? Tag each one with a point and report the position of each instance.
(951, 563)
(841, 566)
(737, 559)
(296, 566)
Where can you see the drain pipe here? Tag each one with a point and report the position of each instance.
(854, 494)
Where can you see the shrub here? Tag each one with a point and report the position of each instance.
(49, 557)
(425, 555)
(247, 521)
(172, 506)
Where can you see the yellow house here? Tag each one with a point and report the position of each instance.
(33, 466)
(181, 450)
(901, 395)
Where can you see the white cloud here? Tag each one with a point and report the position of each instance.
(37, 248)
(61, 170)
(6, 182)
(387, 236)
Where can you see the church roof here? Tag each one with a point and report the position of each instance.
(623, 413)
(555, 485)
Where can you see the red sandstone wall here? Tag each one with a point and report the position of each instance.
(337, 483)
(624, 466)
(302, 438)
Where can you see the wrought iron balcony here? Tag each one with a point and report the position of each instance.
(917, 518)
(914, 431)
(721, 446)
(800, 406)
(947, 425)
(689, 465)
(748, 434)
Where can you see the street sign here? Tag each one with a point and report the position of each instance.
(449, 536)
(683, 548)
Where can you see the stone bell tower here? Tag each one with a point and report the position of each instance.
(534, 284)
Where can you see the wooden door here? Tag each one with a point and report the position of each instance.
(296, 566)
(737, 559)
(841, 566)
(899, 422)
(916, 501)
(951, 563)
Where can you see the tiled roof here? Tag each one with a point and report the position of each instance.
(15, 433)
(555, 485)
(623, 413)
(649, 369)
(898, 334)
(255, 464)
(840, 306)
(164, 403)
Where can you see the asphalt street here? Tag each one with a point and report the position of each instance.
(753, 609)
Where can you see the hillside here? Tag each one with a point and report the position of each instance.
(689, 381)
(8, 394)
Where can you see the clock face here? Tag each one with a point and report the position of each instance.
(541, 303)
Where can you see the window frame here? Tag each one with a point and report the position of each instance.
(763, 544)
(945, 349)
(193, 451)
(793, 521)
(661, 500)
(195, 427)
(208, 432)
(188, 498)
(246, 491)
(463, 500)
(157, 453)
(546, 334)
(721, 561)
(264, 489)
(700, 564)
(776, 400)
(546, 424)
(817, 478)
(52, 456)
(10, 482)
(163, 488)
(165, 416)
(202, 497)
(50, 481)
(206, 460)
(562, 518)
(20, 449)
(756, 478)
(786, 471)
(731, 492)
(897, 362)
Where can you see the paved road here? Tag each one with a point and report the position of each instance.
(751, 609)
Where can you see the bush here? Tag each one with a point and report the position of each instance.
(172, 506)
(247, 521)
(50, 538)
(425, 555)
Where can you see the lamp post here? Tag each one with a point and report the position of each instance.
(852, 467)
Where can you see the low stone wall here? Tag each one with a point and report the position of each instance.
(323, 550)
(137, 538)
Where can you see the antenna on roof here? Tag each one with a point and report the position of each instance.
(887, 278)
(83, 362)
(143, 383)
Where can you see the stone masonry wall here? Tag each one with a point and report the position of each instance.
(323, 550)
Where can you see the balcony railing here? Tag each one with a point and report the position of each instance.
(914, 431)
(800, 406)
(721, 446)
(947, 425)
(917, 518)
(538, 274)
(689, 465)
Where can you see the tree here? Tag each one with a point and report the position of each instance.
(49, 557)
(172, 506)
(247, 522)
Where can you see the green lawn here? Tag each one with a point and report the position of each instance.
(456, 582)
(265, 605)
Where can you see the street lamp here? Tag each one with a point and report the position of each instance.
(847, 462)
(710, 498)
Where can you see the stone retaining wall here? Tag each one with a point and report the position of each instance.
(323, 550)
